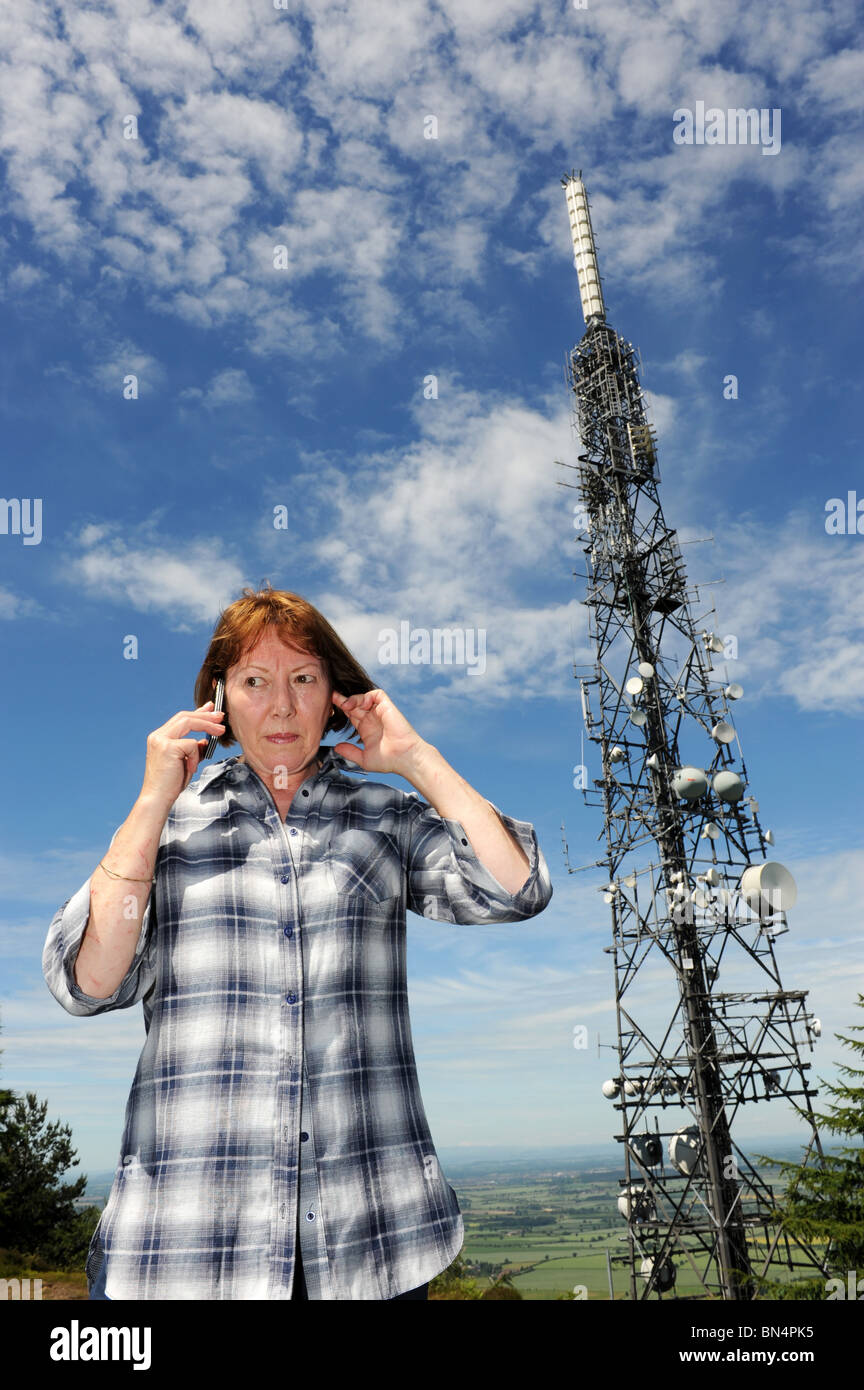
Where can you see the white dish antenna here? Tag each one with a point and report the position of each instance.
(689, 783)
(722, 732)
(683, 1150)
(729, 786)
(768, 888)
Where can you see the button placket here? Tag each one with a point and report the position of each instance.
(286, 1171)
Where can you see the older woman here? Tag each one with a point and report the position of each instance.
(275, 1142)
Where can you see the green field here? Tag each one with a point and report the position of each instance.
(551, 1233)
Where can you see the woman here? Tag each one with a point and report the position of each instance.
(275, 1142)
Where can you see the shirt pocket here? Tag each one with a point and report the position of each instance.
(366, 866)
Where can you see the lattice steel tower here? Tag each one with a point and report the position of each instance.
(695, 899)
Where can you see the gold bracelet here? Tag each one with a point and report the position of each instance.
(126, 878)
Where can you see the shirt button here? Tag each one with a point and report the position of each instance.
(289, 931)
(303, 1134)
(293, 831)
(286, 878)
(310, 1216)
(291, 998)
(464, 843)
(305, 793)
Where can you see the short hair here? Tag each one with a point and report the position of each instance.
(297, 623)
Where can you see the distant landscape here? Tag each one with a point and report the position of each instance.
(546, 1217)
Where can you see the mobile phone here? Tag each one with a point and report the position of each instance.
(218, 703)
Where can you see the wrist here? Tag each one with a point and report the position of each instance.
(150, 810)
(418, 766)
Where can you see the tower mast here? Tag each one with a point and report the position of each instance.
(690, 887)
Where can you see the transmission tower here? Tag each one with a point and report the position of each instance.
(696, 901)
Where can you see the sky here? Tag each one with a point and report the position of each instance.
(286, 295)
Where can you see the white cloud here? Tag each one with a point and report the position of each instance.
(792, 597)
(190, 210)
(186, 583)
(14, 606)
(229, 387)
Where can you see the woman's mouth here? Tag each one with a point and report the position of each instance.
(281, 738)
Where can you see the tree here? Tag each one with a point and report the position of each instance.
(6, 1099)
(454, 1283)
(826, 1204)
(38, 1215)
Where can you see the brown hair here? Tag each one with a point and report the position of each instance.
(297, 622)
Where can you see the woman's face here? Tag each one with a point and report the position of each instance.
(278, 700)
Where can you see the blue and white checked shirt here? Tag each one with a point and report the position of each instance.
(277, 1084)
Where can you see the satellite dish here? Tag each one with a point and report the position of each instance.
(768, 888)
(722, 732)
(630, 882)
(616, 754)
(635, 686)
(815, 1027)
(689, 783)
(663, 1277)
(647, 1148)
(683, 1150)
(734, 691)
(653, 761)
(636, 1204)
(729, 786)
(769, 837)
(710, 831)
(638, 717)
(610, 1089)
(645, 669)
(711, 876)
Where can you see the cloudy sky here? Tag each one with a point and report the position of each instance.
(237, 243)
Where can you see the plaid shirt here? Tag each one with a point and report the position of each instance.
(277, 1087)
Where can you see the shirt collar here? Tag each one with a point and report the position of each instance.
(231, 772)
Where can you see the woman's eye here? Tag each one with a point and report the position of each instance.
(252, 678)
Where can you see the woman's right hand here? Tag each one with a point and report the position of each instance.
(171, 758)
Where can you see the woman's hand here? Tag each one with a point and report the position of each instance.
(171, 758)
(390, 744)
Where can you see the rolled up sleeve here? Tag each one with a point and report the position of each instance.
(448, 883)
(64, 939)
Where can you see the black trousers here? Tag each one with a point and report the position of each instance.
(299, 1290)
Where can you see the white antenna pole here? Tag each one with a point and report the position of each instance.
(584, 250)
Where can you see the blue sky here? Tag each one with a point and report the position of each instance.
(303, 388)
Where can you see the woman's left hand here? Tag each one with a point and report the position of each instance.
(389, 741)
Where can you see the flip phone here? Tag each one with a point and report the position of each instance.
(218, 704)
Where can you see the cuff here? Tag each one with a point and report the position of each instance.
(535, 891)
(61, 952)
